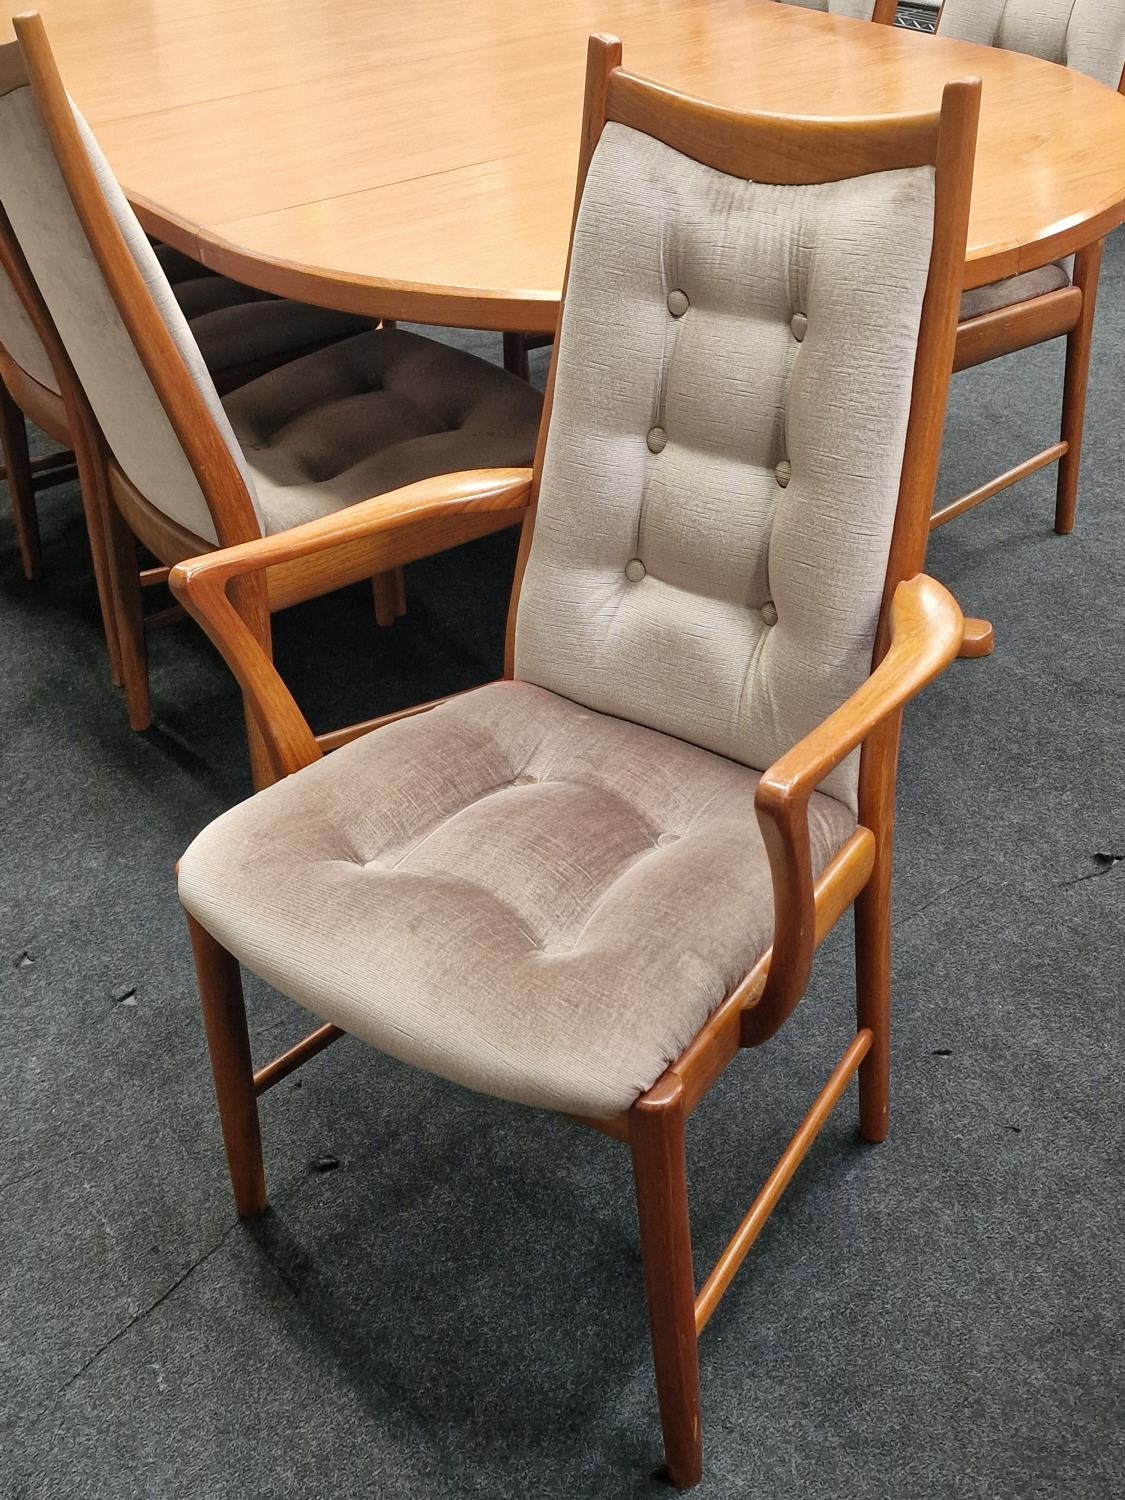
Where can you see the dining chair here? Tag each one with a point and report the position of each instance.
(882, 11)
(241, 334)
(585, 887)
(172, 464)
(1059, 299)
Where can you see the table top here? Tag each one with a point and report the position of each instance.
(417, 160)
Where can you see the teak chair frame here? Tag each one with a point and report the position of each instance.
(125, 514)
(1067, 312)
(921, 630)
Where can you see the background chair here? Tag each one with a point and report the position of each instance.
(882, 11)
(1055, 300)
(241, 334)
(552, 889)
(169, 463)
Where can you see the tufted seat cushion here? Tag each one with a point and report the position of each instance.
(1013, 290)
(529, 898)
(370, 413)
(243, 333)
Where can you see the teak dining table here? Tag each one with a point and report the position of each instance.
(417, 160)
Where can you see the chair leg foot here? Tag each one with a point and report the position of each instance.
(873, 997)
(228, 1042)
(21, 489)
(656, 1138)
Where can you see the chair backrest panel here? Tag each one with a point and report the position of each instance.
(722, 468)
(1087, 35)
(19, 339)
(860, 10)
(106, 362)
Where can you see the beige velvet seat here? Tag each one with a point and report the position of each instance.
(586, 886)
(511, 891)
(173, 467)
(241, 333)
(1058, 299)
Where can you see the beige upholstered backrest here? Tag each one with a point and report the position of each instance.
(862, 10)
(35, 198)
(721, 475)
(19, 339)
(1088, 35)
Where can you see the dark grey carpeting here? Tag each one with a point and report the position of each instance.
(456, 1309)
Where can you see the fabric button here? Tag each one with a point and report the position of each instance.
(668, 838)
(657, 438)
(783, 473)
(635, 570)
(800, 326)
(678, 303)
(524, 780)
(769, 613)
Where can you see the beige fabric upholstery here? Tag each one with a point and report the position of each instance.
(533, 900)
(241, 333)
(373, 412)
(1088, 35)
(861, 10)
(1013, 290)
(720, 482)
(20, 340)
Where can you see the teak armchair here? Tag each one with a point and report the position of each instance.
(1060, 299)
(578, 888)
(168, 462)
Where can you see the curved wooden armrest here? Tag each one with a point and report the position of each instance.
(927, 629)
(408, 521)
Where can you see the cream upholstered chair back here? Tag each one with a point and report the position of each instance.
(70, 278)
(1087, 35)
(860, 10)
(721, 474)
(19, 339)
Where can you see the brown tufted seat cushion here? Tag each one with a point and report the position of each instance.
(373, 412)
(243, 333)
(1013, 290)
(532, 899)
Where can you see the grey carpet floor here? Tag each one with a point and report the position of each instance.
(456, 1309)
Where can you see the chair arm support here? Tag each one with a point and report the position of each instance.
(202, 583)
(927, 628)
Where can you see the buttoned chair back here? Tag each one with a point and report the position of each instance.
(859, 10)
(1087, 35)
(163, 423)
(716, 511)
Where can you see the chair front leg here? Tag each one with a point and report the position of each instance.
(1087, 269)
(656, 1139)
(228, 1042)
(873, 993)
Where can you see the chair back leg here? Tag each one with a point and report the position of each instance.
(21, 486)
(1076, 381)
(656, 1138)
(228, 1042)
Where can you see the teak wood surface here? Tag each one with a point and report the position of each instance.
(418, 161)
